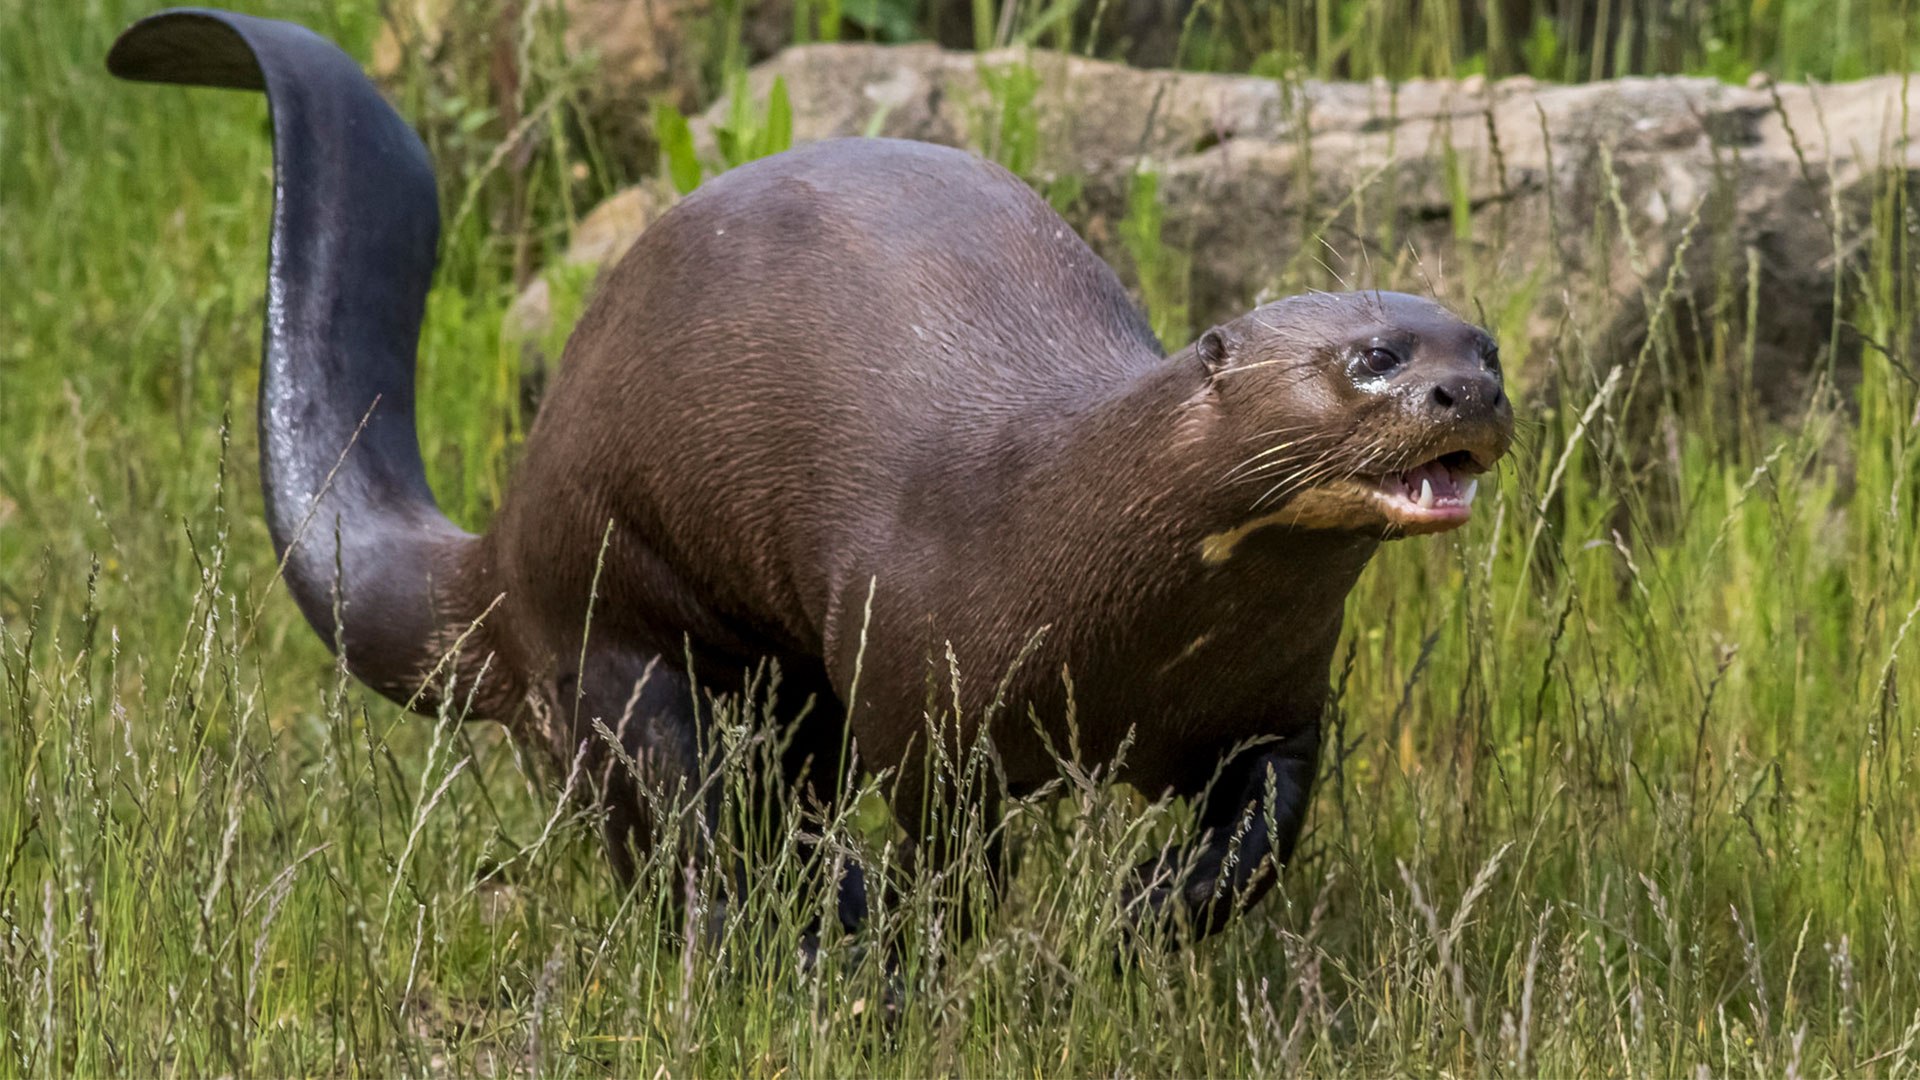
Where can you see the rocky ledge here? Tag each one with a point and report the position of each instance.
(1569, 215)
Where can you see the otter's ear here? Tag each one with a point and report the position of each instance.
(1212, 351)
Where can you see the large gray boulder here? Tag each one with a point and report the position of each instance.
(1575, 218)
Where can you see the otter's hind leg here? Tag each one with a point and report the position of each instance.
(666, 783)
(638, 721)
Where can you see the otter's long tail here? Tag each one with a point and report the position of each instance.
(355, 221)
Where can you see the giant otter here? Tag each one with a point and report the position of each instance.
(864, 409)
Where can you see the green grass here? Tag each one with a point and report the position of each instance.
(1627, 778)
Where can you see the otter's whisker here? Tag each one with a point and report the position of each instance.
(1326, 466)
(1303, 478)
(1306, 461)
(1250, 462)
(1289, 362)
(1290, 429)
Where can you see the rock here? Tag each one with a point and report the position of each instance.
(610, 229)
(530, 315)
(1566, 214)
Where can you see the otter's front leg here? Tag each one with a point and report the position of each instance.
(1249, 819)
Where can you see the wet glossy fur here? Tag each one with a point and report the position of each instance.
(871, 407)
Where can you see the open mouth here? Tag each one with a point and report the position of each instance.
(1433, 496)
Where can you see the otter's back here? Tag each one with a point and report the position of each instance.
(785, 356)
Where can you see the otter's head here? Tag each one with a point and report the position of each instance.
(1371, 413)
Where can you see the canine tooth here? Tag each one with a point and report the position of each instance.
(1473, 485)
(1426, 494)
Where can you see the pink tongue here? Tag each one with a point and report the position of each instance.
(1446, 487)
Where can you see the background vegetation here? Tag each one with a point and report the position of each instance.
(1624, 778)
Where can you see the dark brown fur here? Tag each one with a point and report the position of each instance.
(888, 370)
(871, 411)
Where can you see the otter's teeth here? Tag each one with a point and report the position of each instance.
(1473, 486)
(1426, 493)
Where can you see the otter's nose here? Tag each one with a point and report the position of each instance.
(1467, 392)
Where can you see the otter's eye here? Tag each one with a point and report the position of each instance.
(1493, 360)
(1379, 360)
